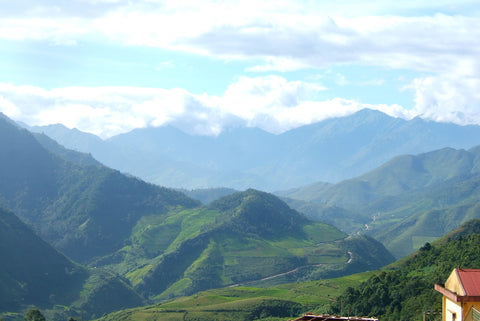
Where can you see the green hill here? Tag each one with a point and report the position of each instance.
(32, 273)
(248, 237)
(400, 291)
(404, 203)
(404, 290)
(85, 211)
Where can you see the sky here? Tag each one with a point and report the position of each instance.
(109, 66)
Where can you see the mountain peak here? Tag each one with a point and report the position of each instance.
(260, 213)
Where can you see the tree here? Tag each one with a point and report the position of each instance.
(34, 315)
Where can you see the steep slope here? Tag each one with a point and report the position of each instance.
(69, 155)
(31, 270)
(85, 211)
(405, 290)
(331, 150)
(242, 238)
(34, 273)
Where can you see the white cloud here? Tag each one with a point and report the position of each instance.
(448, 98)
(441, 45)
(286, 34)
(270, 102)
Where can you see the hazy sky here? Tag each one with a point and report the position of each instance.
(107, 66)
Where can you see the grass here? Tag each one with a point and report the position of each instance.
(137, 275)
(237, 303)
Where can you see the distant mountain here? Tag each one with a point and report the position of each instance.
(208, 195)
(331, 150)
(403, 203)
(34, 273)
(67, 154)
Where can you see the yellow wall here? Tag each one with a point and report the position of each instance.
(453, 284)
(458, 308)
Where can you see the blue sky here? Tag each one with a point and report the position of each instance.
(108, 66)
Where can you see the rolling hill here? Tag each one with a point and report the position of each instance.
(404, 203)
(400, 291)
(248, 237)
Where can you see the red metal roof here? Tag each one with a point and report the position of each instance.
(470, 279)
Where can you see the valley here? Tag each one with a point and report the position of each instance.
(205, 160)
(193, 252)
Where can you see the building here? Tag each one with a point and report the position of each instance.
(461, 295)
(328, 317)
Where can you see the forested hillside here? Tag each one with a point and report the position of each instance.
(404, 290)
(33, 273)
(84, 210)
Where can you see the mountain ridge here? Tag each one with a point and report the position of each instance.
(331, 150)
(405, 202)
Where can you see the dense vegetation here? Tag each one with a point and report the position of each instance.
(405, 290)
(34, 273)
(86, 211)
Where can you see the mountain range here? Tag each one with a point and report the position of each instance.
(137, 242)
(331, 150)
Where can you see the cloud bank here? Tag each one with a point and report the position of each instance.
(271, 103)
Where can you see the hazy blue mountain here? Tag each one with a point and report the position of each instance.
(330, 150)
(68, 154)
(81, 140)
(403, 203)
(208, 195)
